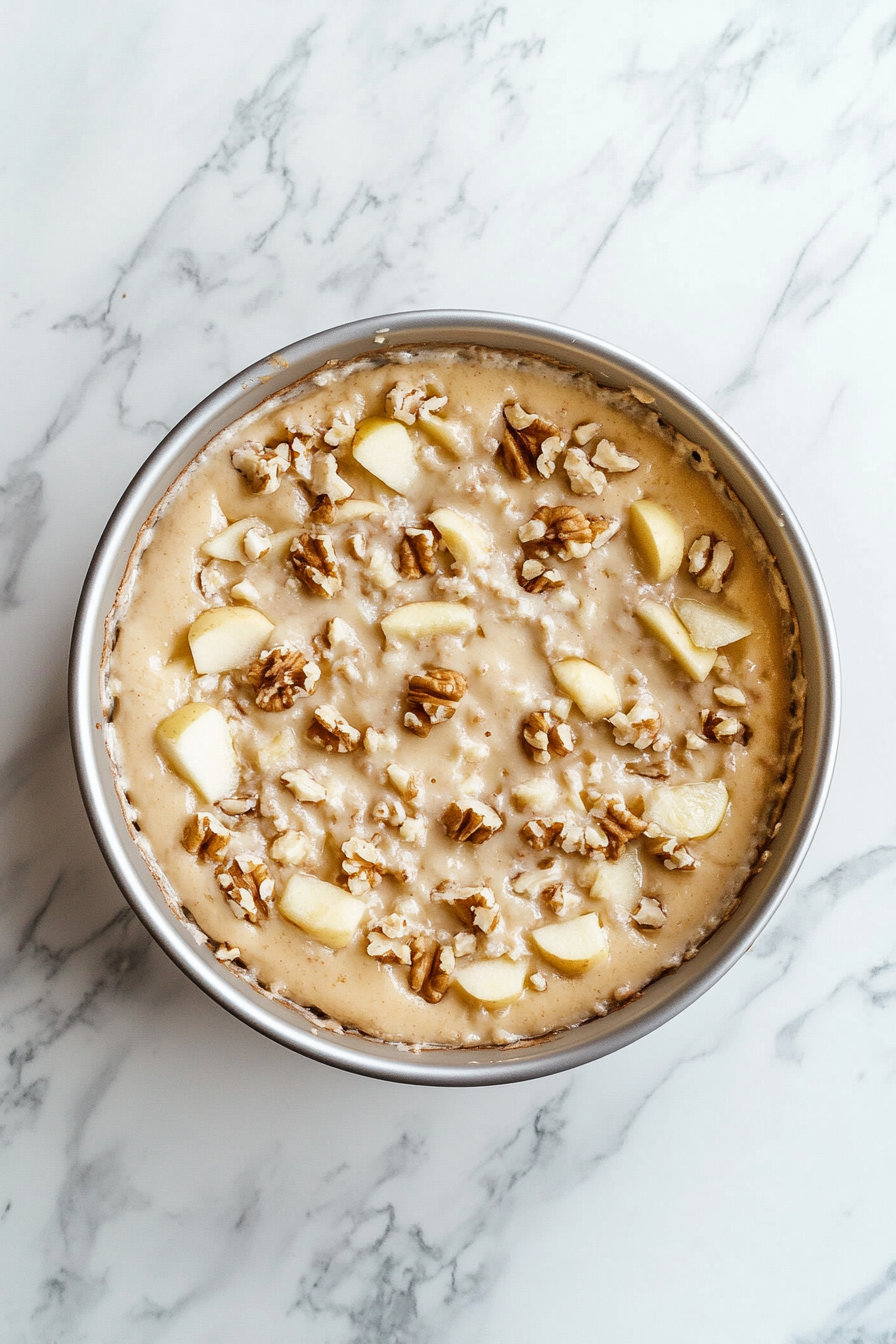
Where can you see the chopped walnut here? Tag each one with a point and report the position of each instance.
(224, 952)
(325, 479)
(536, 577)
(413, 830)
(363, 865)
(464, 944)
(649, 914)
(541, 832)
(341, 431)
(673, 854)
(292, 847)
(564, 531)
(474, 906)
(433, 696)
(431, 968)
(205, 837)
(313, 558)
(732, 696)
(536, 881)
(417, 552)
(710, 561)
(328, 729)
(388, 949)
(693, 742)
(262, 467)
(618, 823)
(584, 479)
(239, 807)
(608, 456)
(281, 676)
(323, 511)
(538, 982)
(256, 543)
(723, 728)
(303, 786)
(522, 450)
(650, 767)
(247, 886)
(405, 402)
(211, 580)
(375, 739)
(641, 726)
(472, 820)
(545, 736)
(381, 571)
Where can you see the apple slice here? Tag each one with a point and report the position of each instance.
(618, 883)
(386, 449)
(195, 741)
(227, 637)
(228, 545)
(422, 620)
(320, 909)
(493, 984)
(350, 509)
(574, 945)
(450, 434)
(592, 689)
(659, 537)
(467, 541)
(710, 627)
(664, 624)
(687, 811)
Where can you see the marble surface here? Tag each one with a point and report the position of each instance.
(708, 184)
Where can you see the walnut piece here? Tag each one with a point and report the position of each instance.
(731, 696)
(433, 696)
(584, 479)
(313, 558)
(281, 676)
(239, 807)
(417, 552)
(432, 967)
(617, 822)
(564, 531)
(474, 906)
(323, 510)
(529, 445)
(325, 479)
(303, 786)
(472, 820)
(247, 886)
(205, 836)
(388, 949)
(723, 728)
(649, 914)
(405, 402)
(536, 577)
(673, 854)
(641, 726)
(328, 729)
(710, 561)
(262, 467)
(545, 735)
(363, 865)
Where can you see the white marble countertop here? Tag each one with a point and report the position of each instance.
(707, 184)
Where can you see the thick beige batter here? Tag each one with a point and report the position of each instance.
(506, 662)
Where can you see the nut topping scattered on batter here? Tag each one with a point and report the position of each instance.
(710, 561)
(280, 676)
(546, 736)
(313, 557)
(328, 729)
(434, 696)
(205, 837)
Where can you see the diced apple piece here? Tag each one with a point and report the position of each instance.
(422, 620)
(592, 689)
(227, 637)
(350, 509)
(450, 434)
(321, 910)
(280, 544)
(687, 811)
(467, 541)
(538, 794)
(710, 627)
(659, 537)
(228, 545)
(195, 740)
(386, 449)
(494, 984)
(574, 945)
(618, 883)
(664, 624)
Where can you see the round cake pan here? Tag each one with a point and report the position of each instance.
(665, 997)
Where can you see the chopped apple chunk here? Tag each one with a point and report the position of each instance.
(423, 620)
(228, 545)
(350, 509)
(227, 637)
(658, 536)
(386, 449)
(687, 811)
(710, 627)
(664, 624)
(574, 945)
(466, 539)
(618, 883)
(321, 910)
(592, 689)
(195, 740)
(493, 984)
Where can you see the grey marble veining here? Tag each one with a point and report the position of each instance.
(709, 185)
